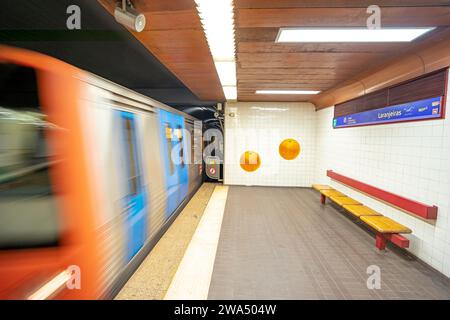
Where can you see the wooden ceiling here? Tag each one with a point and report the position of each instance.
(174, 35)
(264, 64)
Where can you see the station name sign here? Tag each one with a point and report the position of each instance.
(418, 110)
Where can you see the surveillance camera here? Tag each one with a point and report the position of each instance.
(130, 18)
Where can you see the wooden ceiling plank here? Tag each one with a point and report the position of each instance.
(293, 70)
(255, 4)
(308, 57)
(272, 47)
(340, 17)
(172, 20)
(164, 5)
(273, 98)
(268, 77)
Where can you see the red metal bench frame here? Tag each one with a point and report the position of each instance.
(381, 240)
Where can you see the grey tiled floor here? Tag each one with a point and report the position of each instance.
(280, 243)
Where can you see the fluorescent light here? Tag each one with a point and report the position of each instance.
(349, 34)
(287, 92)
(227, 72)
(230, 92)
(218, 24)
(269, 109)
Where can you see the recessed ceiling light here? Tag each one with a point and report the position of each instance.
(287, 92)
(349, 34)
(269, 109)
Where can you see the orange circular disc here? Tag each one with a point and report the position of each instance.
(289, 149)
(250, 161)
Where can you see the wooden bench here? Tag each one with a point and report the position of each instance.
(385, 228)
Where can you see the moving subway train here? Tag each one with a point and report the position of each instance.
(91, 174)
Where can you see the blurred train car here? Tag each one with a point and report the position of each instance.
(91, 175)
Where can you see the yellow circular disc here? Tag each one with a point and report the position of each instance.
(289, 149)
(250, 161)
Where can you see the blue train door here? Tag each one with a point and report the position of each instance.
(134, 201)
(174, 159)
(171, 176)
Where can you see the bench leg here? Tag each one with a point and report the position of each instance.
(380, 241)
(322, 199)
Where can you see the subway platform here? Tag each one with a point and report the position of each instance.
(236, 242)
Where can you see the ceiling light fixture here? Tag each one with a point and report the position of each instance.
(349, 34)
(218, 24)
(269, 109)
(287, 92)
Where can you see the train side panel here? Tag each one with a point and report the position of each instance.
(107, 169)
(157, 196)
(194, 150)
(101, 138)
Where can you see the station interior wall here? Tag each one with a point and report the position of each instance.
(261, 127)
(411, 159)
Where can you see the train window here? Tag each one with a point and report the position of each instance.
(180, 141)
(133, 173)
(28, 213)
(192, 146)
(169, 144)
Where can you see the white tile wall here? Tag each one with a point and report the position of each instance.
(261, 127)
(411, 159)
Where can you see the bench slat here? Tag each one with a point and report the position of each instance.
(344, 200)
(384, 224)
(329, 193)
(319, 187)
(359, 211)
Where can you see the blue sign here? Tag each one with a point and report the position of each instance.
(417, 110)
